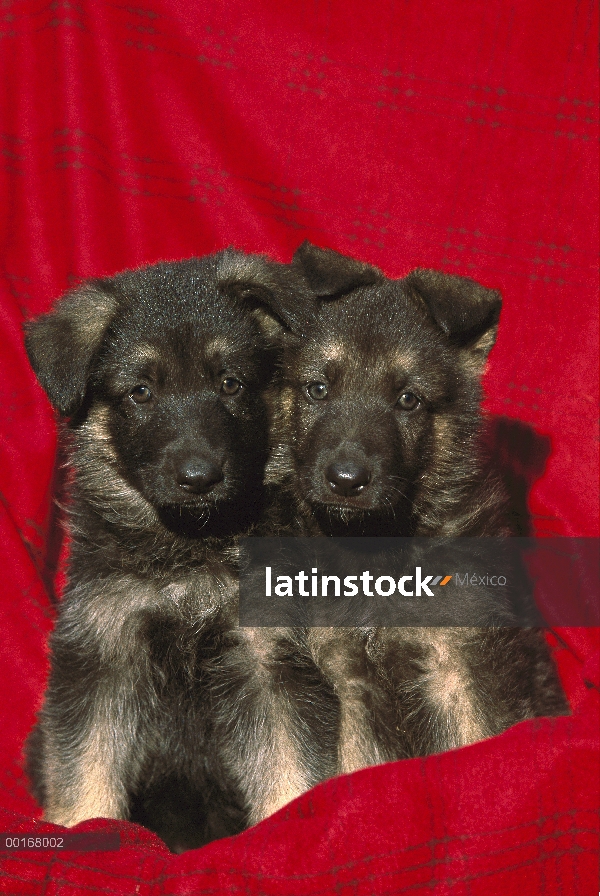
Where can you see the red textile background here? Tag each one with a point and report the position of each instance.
(461, 136)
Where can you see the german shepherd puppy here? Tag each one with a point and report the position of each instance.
(158, 707)
(380, 434)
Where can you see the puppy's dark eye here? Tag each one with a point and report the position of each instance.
(318, 391)
(230, 386)
(408, 401)
(141, 394)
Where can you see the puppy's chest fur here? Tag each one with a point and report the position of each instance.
(183, 619)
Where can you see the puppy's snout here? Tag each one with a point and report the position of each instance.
(347, 478)
(197, 475)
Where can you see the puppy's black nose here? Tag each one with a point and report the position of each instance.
(198, 476)
(347, 478)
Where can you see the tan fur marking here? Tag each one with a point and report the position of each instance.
(279, 776)
(269, 325)
(286, 403)
(98, 475)
(92, 317)
(113, 608)
(448, 686)
(443, 428)
(217, 346)
(271, 771)
(402, 359)
(144, 354)
(356, 748)
(96, 428)
(95, 794)
(475, 357)
(260, 642)
(331, 650)
(334, 351)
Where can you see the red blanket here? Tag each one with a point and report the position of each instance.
(461, 136)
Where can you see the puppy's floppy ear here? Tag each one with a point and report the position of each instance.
(331, 274)
(62, 344)
(467, 312)
(278, 293)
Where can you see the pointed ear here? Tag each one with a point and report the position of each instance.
(62, 344)
(277, 292)
(467, 312)
(331, 274)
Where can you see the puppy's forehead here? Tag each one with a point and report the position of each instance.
(341, 354)
(373, 328)
(332, 349)
(186, 356)
(184, 346)
(217, 346)
(170, 324)
(143, 355)
(167, 295)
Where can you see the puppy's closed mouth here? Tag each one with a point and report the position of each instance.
(362, 498)
(346, 505)
(347, 509)
(196, 505)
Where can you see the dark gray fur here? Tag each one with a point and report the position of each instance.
(355, 462)
(158, 707)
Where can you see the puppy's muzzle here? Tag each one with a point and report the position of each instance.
(347, 479)
(197, 475)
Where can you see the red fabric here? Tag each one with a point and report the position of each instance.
(460, 136)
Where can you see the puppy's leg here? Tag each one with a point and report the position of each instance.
(278, 721)
(92, 718)
(84, 777)
(451, 698)
(364, 737)
(455, 686)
